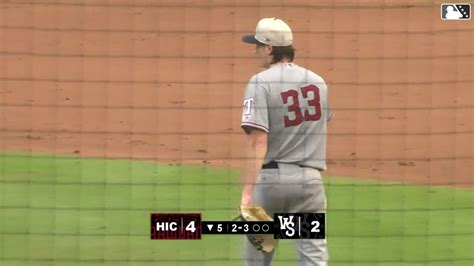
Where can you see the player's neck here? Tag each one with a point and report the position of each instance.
(284, 61)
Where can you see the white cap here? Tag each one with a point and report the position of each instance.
(272, 31)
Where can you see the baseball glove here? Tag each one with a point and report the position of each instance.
(255, 213)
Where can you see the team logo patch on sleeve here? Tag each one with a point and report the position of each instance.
(247, 112)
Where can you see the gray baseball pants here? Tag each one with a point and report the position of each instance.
(290, 189)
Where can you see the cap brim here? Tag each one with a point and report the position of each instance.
(250, 39)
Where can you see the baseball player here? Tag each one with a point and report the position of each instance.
(285, 115)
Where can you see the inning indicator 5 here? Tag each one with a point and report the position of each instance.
(225, 227)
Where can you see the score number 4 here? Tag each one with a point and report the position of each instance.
(191, 227)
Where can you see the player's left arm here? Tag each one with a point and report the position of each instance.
(256, 149)
(329, 113)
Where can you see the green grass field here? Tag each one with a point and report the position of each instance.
(71, 211)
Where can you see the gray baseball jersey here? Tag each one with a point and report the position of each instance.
(290, 103)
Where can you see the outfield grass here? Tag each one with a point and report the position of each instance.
(71, 211)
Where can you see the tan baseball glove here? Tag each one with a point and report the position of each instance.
(255, 213)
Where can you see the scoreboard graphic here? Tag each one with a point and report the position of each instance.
(189, 226)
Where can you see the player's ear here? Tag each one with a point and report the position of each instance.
(269, 49)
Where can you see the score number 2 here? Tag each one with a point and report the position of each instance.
(295, 107)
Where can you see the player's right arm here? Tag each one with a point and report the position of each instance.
(255, 106)
(255, 124)
(256, 149)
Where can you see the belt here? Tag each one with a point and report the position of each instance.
(274, 165)
(270, 165)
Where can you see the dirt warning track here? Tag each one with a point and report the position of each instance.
(163, 81)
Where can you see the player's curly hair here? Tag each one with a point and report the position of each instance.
(283, 52)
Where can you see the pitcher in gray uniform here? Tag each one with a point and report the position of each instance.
(285, 115)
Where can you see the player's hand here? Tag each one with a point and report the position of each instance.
(246, 199)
